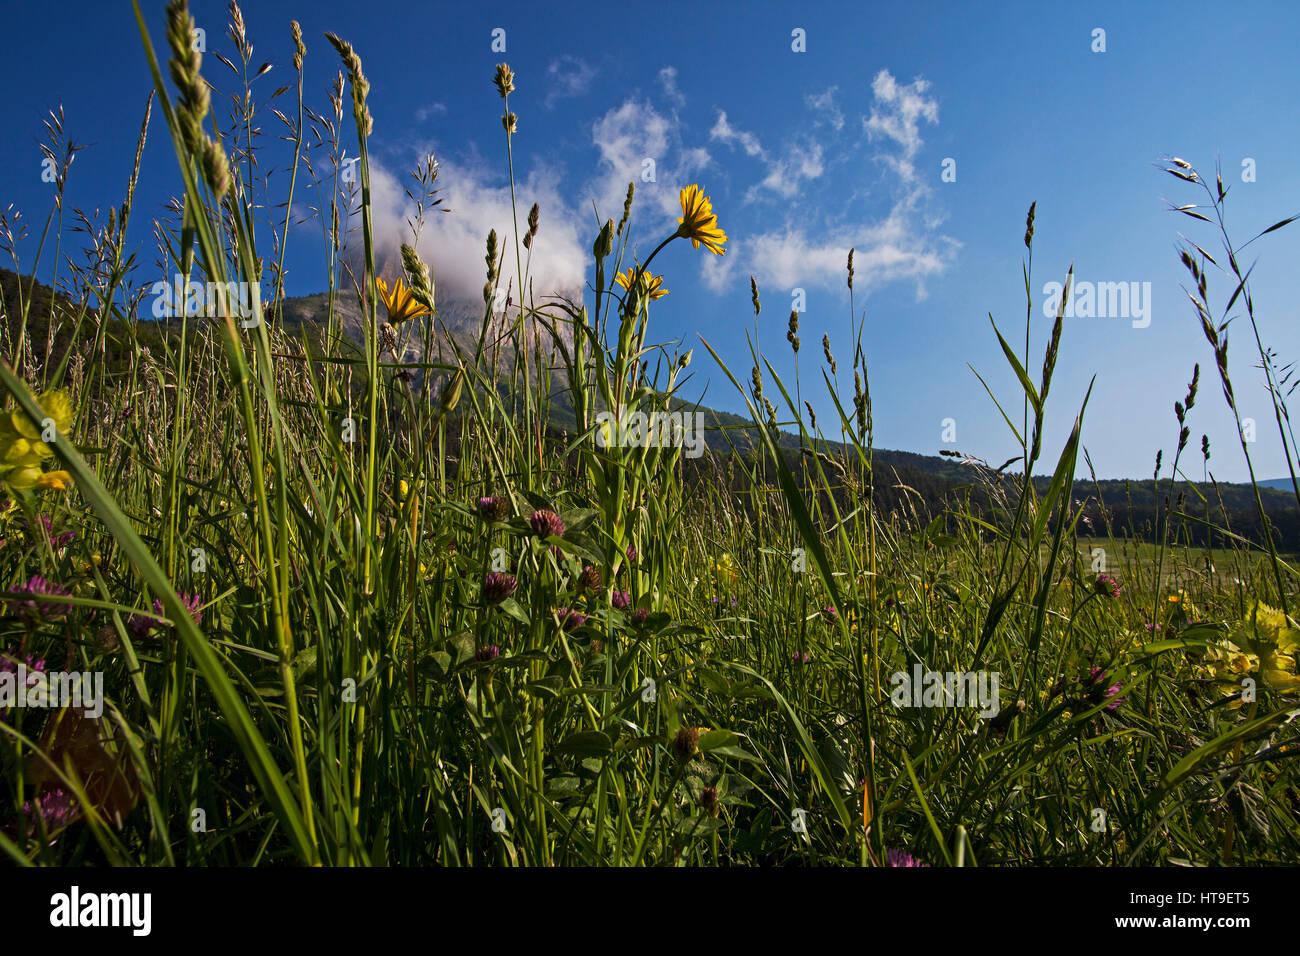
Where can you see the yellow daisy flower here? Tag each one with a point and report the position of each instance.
(650, 285)
(399, 303)
(699, 223)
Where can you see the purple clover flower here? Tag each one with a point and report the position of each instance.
(46, 530)
(1106, 586)
(142, 624)
(901, 858)
(570, 619)
(37, 611)
(494, 508)
(1096, 679)
(546, 523)
(55, 806)
(497, 586)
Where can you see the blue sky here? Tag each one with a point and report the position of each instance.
(804, 155)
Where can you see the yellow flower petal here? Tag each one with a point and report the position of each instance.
(698, 222)
(398, 301)
(650, 285)
(54, 481)
(23, 425)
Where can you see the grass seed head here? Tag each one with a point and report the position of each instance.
(360, 85)
(417, 273)
(300, 50)
(504, 80)
(627, 207)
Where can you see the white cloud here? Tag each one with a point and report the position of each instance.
(668, 80)
(453, 243)
(716, 271)
(808, 248)
(890, 250)
(895, 115)
(425, 113)
(693, 160)
(625, 138)
(811, 247)
(726, 133)
(824, 103)
(570, 76)
(785, 174)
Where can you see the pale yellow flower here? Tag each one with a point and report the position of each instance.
(23, 447)
(54, 481)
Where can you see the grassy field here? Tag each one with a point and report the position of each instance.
(1212, 570)
(346, 614)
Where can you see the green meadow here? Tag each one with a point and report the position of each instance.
(354, 606)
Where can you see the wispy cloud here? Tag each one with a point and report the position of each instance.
(716, 272)
(890, 250)
(569, 77)
(725, 133)
(668, 80)
(895, 115)
(453, 243)
(426, 113)
(811, 246)
(623, 138)
(635, 141)
(784, 174)
(823, 105)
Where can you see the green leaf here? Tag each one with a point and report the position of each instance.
(1246, 731)
(1025, 383)
(713, 739)
(578, 520)
(510, 607)
(713, 681)
(463, 646)
(733, 752)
